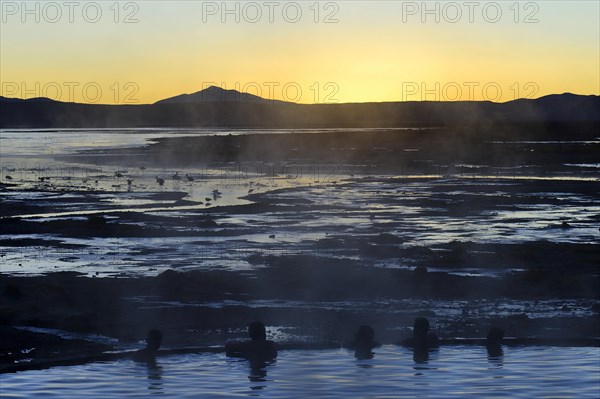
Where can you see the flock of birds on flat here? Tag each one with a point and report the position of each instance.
(44, 182)
(160, 181)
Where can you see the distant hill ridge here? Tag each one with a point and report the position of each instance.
(217, 107)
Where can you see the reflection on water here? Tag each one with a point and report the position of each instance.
(364, 354)
(496, 357)
(154, 377)
(450, 372)
(420, 356)
(258, 373)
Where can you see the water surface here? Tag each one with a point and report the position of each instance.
(451, 372)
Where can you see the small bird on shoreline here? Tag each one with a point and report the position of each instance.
(176, 176)
(160, 181)
(189, 178)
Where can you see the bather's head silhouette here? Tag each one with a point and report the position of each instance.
(494, 342)
(364, 342)
(257, 331)
(153, 342)
(153, 339)
(422, 339)
(421, 327)
(364, 335)
(495, 336)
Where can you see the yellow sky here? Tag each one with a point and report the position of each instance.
(376, 51)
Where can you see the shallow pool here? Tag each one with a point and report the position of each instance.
(459, 371)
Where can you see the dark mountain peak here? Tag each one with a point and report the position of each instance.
(216, 94)
(568, 95)
(562, 98)
(217, 89)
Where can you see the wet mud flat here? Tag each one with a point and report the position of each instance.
(461, 226)
(504, 233)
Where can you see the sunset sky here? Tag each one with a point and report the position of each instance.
(342, 51)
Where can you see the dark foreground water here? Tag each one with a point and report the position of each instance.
(451, 372)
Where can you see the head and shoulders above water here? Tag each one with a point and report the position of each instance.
(494, 341)
(257, 348)
(153, 342)
(363, 343)
(422, 338)
(364, 339)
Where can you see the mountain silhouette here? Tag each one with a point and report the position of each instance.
(216, 94)
(192, 111)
